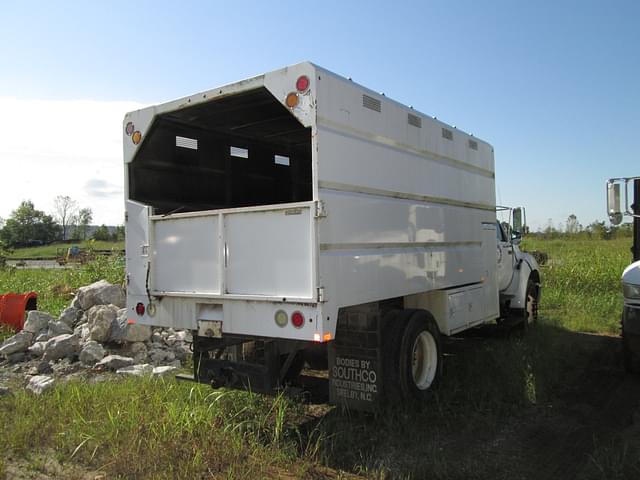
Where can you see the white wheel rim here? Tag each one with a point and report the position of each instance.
(424, 360)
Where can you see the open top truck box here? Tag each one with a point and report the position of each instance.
(285, 206)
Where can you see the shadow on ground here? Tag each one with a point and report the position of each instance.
(551, 404)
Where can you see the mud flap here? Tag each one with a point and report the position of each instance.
(355, 374)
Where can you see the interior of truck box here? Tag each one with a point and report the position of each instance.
(241, 150)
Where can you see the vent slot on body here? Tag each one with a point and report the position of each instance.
(371, 103)
(473, 145)
(184, 142)
(414, 120)
(446, 133)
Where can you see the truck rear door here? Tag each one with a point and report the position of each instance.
(257, 251)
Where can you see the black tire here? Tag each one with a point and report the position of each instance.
(393, 328)
(414, 356)
(530, 310)
(631, 358)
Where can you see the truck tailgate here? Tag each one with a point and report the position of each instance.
(258, 251)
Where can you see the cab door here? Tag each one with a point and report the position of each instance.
(505, 259)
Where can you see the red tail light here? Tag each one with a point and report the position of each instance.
(297, 319)
(302, 84)
(140, 309)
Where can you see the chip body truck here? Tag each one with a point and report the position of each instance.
(296, 212)
(631, 275)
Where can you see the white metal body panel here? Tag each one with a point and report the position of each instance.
(406, 211)
(270, 253)
(186, 255)
(407, 208)
(136, 247)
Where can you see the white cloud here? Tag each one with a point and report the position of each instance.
(74, 148)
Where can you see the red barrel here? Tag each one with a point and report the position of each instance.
(13, 307)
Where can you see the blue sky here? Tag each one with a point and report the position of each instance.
(554, 86)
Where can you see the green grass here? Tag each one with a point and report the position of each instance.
(55, 287)
(494, 385)
(581, 282)
(5, 332)
(52, 250)
(163, 430)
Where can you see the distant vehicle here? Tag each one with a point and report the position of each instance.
(298, 211)
(73, 254)
(34, 243)
(631, 275)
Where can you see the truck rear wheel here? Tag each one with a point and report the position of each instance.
(413, 356)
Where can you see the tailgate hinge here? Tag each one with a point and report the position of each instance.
(321, 294)
(320, 209)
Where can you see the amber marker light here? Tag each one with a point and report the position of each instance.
(292, 100)
(136, 137)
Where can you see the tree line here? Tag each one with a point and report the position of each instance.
(28, 226)
(572, 228)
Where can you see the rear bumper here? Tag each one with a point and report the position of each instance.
(254, 318)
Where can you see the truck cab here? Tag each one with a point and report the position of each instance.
(518, 277)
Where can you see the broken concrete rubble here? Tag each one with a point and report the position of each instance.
(62, 346)
(101, 293)
(37, 321)
(114, 362)
(40, 383)
(92, 352)
(93, 333)
(101, 319)
(59, 328)
(18, 343)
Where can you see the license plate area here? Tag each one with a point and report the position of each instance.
(210, 317)
(210, 328)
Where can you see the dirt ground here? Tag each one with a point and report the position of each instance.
(585, 429)
(588, 429)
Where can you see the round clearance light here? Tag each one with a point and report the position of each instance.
(140, 309)
(297, 319)
(129, 128)
(302, 84)
(136, 137)
(292, 100)
(281, 318)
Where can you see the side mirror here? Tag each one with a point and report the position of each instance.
(613, 202)
(517, 232)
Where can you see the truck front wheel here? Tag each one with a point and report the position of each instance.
(530, 312)
(631, 358)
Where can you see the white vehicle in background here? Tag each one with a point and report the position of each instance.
(298, 211)
(631, 274)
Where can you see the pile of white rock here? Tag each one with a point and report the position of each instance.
(92, 333)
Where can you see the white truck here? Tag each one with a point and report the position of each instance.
(631, 275)
(298, 211)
